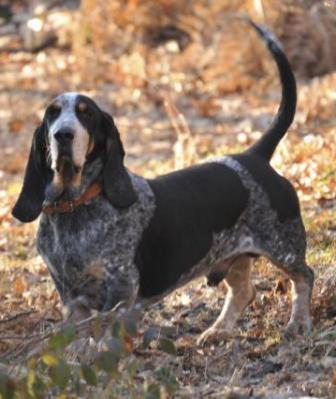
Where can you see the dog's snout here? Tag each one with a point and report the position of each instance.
(64, 136)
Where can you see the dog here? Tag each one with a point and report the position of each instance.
(109, 236)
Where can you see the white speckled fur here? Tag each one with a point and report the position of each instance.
(96, 233)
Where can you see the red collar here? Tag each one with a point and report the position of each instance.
(68, 206)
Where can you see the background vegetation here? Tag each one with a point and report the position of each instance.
(184, 81)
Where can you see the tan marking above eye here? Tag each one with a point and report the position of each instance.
(55, 106)
(82, 107)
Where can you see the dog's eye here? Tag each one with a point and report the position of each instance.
(83, 109)
(54, 110)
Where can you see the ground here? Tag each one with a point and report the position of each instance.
(163, 131)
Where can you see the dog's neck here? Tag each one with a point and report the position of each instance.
(91, 173)
(68, 206)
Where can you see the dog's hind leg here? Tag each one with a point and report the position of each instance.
(302, 279)
(288, 253)
(241, 293)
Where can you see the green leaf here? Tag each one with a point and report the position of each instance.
(153, 392)
(7, 387)
(166, 377)
(36, 387)
(31, 378)
(132, 368)
(167, 345)
(89, 375)
(63, 338)
(130, 326)
(97, 329)
(50, 360)
(150, 335)
(116, 329)
(107, 361)
(115, 346)
(60, 374)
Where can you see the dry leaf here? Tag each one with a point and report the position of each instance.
(15, 126)
(19, 285)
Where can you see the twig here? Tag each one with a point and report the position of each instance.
(18, 337)
(184, 147)
(9, 319)
(33, 337)
(79, 326)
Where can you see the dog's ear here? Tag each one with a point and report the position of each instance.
(117, 182)
(29, 204)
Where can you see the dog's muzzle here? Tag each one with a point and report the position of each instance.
(65, 166)
(64, 137)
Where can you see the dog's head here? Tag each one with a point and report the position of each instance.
(74, 133)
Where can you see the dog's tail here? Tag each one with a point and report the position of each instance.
(266, 145)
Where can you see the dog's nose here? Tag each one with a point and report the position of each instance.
(64, 136)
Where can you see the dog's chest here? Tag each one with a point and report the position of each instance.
(78, 246)
(83, 247)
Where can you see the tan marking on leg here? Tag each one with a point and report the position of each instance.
(241, 293)
(300, 320)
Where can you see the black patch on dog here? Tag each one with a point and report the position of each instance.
(37, 175)
(191, 205)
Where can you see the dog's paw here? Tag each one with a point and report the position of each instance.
(298, 328)
(213, 335)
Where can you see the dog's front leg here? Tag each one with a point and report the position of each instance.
(84, 346)
(122, 286)
(121, 301)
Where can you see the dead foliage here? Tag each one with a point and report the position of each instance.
(200, 39)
